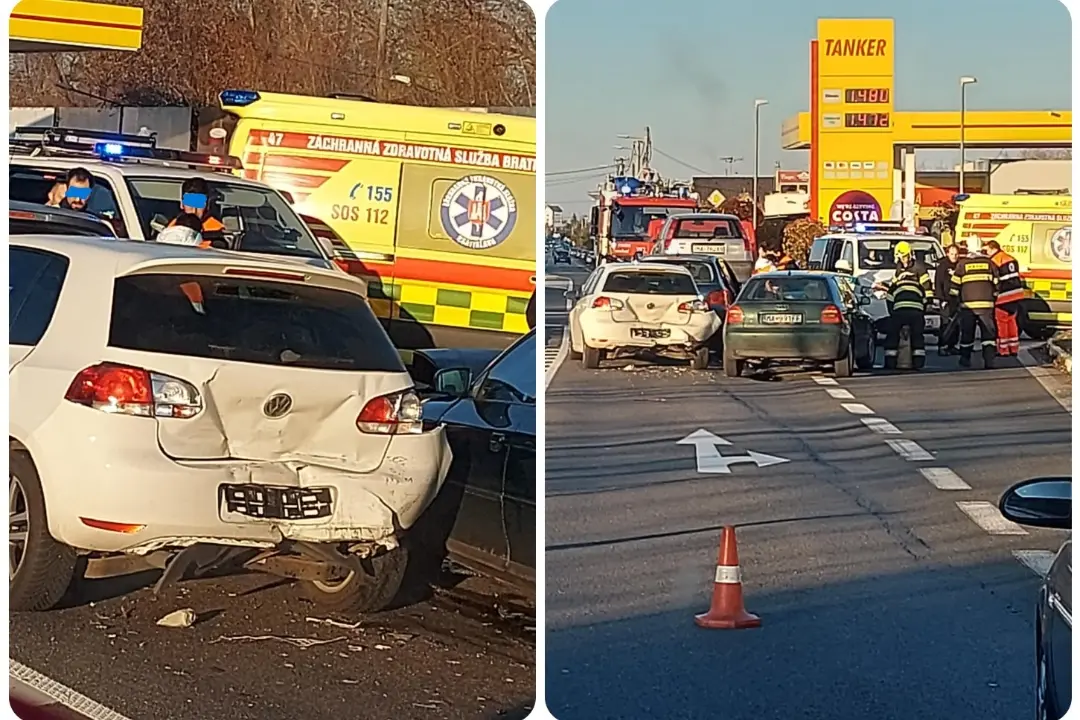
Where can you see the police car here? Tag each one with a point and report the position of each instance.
(137, 189)
(866, 253)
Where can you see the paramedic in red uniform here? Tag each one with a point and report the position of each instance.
(1010, 294)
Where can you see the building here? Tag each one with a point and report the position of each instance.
(552, 216)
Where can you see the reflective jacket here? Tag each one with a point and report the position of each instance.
(1010, 287)
(943, 279)
(210, 226)
(910, 288)
(975, 282)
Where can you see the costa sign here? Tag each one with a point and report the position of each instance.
(854, 206)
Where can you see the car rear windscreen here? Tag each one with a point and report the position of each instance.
(253, 321)
(650, 283)
(707, 229)
(702, 271)
(787, 289)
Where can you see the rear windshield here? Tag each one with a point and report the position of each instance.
(707, 229)
(791, 289)
(650, 283)
(878, 254)
(251, 321)
(702, 271)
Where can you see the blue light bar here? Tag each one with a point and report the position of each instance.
(960, 197)
(238, 98)
(110, 149)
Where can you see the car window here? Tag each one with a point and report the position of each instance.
(706, 228)
(702, 271)
(590, 282)
(103, 204)
(650, 283)
(847, 289)
(253, 321)
(512, 376)
(31, 184)
(847, 254)
(817, 253)
(34, 283)
(878, 254)
(43, 227)
(790, 289)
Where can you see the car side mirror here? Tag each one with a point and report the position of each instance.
(843, 266)
(1039, 502)
(571, 295)
(454, 382)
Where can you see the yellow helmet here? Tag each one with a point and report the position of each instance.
(902, 249)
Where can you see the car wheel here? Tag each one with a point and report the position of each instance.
(360, 592)
(590, 357)
(865, 360)
(41, 569)
(842, 368)
(700, 360)
(732, 367)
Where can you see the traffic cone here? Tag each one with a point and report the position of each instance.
(727, 610)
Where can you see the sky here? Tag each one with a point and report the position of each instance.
(692, 69)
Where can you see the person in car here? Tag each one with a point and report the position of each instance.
(78, 187)
(186, 229)
(195, 200)
(56, 194)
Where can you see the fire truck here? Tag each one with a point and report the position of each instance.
(629, 212)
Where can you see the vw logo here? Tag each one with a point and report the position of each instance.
(277, 405)
(781, 307)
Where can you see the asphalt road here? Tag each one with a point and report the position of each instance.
(467, 651)
(879, 596)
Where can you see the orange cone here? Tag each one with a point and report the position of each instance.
(727, 610)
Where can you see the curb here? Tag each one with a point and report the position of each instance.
(1061, 357)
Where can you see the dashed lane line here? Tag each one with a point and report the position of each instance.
(880, 425)
(839, 393)
(822, 380)
(554, 360)
(909, 450)
(1038, 561)
(944, 478)
(857, 408)
(989, 518)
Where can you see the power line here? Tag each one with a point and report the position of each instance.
(674, 159)
(609, 166)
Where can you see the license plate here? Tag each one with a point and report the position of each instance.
(278, 503)
(709, 248)
(782, 319)
(649, 333)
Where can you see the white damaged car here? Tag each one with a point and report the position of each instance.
(624, 309)
(205, 408)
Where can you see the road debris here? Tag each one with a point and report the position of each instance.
(335, 623)
(297, 641)
(183, 618)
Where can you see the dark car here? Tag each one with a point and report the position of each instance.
(485, 514)
(798, 316)
(26, 218)
(560, 255)
(1047, 502)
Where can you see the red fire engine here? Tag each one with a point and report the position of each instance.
(629, 213)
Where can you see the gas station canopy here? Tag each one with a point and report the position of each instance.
(73, 25)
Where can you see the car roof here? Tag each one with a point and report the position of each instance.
(794, 273)
(910, 237)
(131, 169)
(687, 256)
(656, 267)
(115, 257)
(58, 212)
(703, 215)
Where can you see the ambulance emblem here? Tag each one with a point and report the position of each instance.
(478, 212)
(1061, 244)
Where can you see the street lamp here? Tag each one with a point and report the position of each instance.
(964, 82)
(757, 154)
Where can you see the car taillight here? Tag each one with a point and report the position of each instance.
(126, 390)
(693, 306)
(341, 265)
(396, 414)
(734, 315)
(606, 303)
(831, 315)
(718, 297)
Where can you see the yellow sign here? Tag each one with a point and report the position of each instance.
(854, 97)
(716, 198)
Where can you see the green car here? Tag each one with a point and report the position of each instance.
(798, 317)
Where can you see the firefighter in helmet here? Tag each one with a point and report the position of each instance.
(908, 294)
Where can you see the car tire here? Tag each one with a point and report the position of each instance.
(865, 360)
(590, 357)
(700, 360)
(842, 368)
(46, 567)
(360, 592)
(732, 368)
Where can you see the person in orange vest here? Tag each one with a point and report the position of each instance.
(195, 199)
(1010, 292)
(185, 229)
(783, 261)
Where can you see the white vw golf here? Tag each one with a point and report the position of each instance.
(623, 309)
(205, 408)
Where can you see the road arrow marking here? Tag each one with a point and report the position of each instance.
(711, 462)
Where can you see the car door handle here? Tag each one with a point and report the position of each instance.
(497, 442)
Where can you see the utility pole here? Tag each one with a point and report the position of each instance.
(380, 51)
(729, 160)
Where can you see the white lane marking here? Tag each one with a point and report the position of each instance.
(909, 450)
(944, 478)
(839, 394)
(857, 408)
(881, 426)
(1038, 561)
(821, 380)
(62, 694)
(1052, 381)
(989, 518)
(552, 365)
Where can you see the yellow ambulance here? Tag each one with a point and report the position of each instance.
(437, 206)
(1037, 231)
